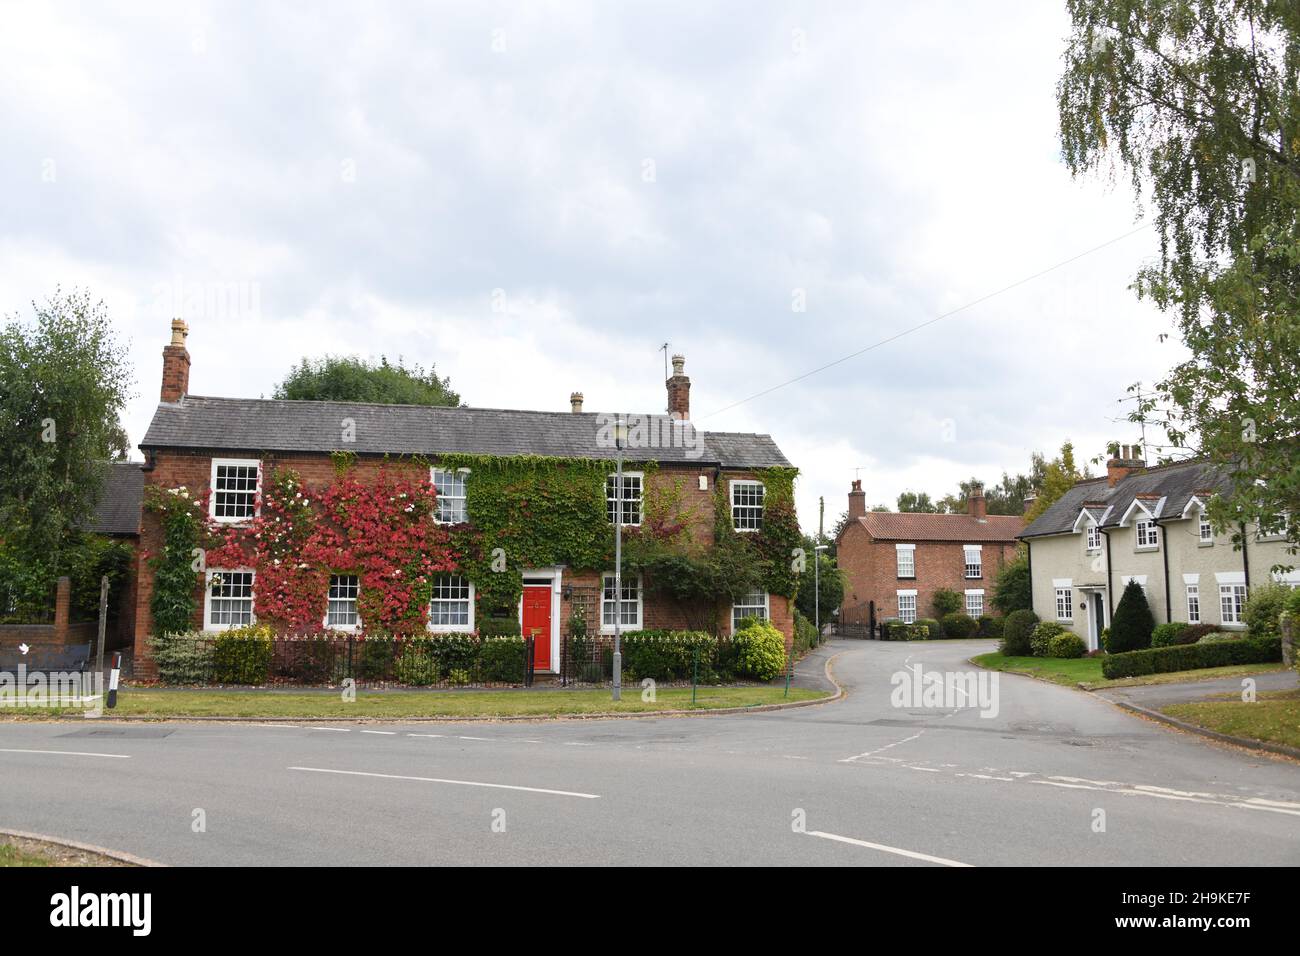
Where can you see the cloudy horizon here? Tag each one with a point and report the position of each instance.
(534, 199)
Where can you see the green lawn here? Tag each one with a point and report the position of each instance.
(1273, 717)
(134, 702)
(11, 855)
(1087, 671)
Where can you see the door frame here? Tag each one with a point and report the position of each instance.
(554, 575)
(1095, 624)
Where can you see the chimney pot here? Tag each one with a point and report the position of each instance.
(857, 500)
(575, 402)
(1127, 461)
(679, 363)
(976, 505)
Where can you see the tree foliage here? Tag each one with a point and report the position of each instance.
(1059, 476)
(349, 378)
(1132, 624)
(916, 502)
(64, 381)
(1198, 102)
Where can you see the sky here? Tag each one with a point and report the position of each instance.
(535, 197)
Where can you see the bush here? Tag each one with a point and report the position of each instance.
(1166, 635)
(318, 659)
(933, 629)
(1016, 631)
(1131, 627)
(504, 659)
(902, 631)
(376, 657)
(991, 626)
(760, 651)
(455, 652)
(1011, 589)
(499, 627)
(1067, 646)
(958, 624)
(184, 658)
(1040, 639)
(242, 655)
(673, 655)
(1165, 660)
(1192, 633)
(1264, 608)
(416, 664)
(805, 633)
(946, 601)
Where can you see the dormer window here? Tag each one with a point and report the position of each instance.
(1148, 535)
(1205, 532)
(1092, 540)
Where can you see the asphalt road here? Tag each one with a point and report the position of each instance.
(871, 783)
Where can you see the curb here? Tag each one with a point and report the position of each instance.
(1246, 742)
(84, 847)
(520, 718)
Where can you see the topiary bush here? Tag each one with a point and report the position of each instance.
(1165, 660)
(1131, 627)
(242, 655)
(1264, 607)
(1040, 640)
(946, 601)
(1016, 633)
(760, 651)
(1166, 635)
(1067, 646)
(958, 624)
(503, 659)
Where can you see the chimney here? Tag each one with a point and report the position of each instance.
(857, 501)
(176, 364)
(1029, 503)
(575, 403)
(1124, 461)
(976, 506)
(679, 391)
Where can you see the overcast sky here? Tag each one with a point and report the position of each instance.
(535, 197)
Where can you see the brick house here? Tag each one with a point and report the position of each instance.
(894, 562)
(229, 447)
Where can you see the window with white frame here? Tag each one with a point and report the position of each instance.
(753, 604)
(906, 560)
(1232, 602)
(451, 607)
(449, 489)
(907, 607)
(1275, 527)
(234, 488)
(747, 505)
(625, 608)
(974, 604)
(229, 599)
(341, 611)
(1205, 530)
(974, 562)
(1148, 535)
(625, 500)
(1093, 537)
(1193, 604)
(1064, 604)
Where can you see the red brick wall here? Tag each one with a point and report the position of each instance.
(871, 573)
(193, 470)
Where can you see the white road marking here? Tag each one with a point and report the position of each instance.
(65, 753)
(279, 726)
(459, 783)
(383, 733)
(871, 753)
(887, 849)
(336, 730)
(473, 738)
(426, 735)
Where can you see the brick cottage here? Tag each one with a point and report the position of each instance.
(894, 562)
(227, 451)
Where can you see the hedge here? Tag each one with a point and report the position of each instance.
(1016, 632)
(902, 631)
(1186, 657)
(958, 624)
(760, 651)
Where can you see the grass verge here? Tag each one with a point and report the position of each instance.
(1273, 718)
(546, 703)
(20, 851)
(1087, 671)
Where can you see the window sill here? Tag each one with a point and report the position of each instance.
(1146, 549)
(1205, 544)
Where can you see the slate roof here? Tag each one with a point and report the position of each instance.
(118, 508)
(256, 425)
(1174, 483)
(913, 526)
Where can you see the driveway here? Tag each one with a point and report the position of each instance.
(1054, 776)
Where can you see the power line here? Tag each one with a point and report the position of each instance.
(929, 322)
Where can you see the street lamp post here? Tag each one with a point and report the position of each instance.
(620, 431)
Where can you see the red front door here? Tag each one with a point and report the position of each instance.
(537, 623)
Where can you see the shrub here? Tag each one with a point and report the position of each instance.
(1221, 637)
(1166, 635)
(1040, 639)
(1131, 627)
(1164, 660)
(1016, 631)
(242, 655)
(760, 651)
(933, 629)
(958, 624)
(1264, 609)
(672, 655)
(1193, 633)
(902, 631)
(805, 633)
(991, 626)
(184, 658)
(455, 652)
(375, 657)
(1067, 646)
(503, 659)
(1011, 589)
(946, 601)
(416, 664)
(499, 627)
(311, 660)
